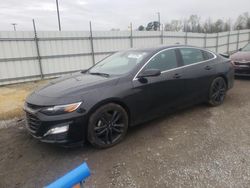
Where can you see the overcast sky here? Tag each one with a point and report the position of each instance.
(107, 14)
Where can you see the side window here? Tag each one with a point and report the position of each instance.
(207, 55)
(191, 55)
(163, 61)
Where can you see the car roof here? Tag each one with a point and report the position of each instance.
(158, 48)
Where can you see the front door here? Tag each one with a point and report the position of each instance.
(157, 95)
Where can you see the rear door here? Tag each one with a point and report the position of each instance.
(198, 72)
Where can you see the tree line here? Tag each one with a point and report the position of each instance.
(194, 24)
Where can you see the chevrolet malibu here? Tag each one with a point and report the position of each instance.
(125, 89)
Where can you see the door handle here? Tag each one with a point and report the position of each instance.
(176, 75)
(208, 68)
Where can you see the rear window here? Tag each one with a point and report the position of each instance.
(207, 55)
(191, 55)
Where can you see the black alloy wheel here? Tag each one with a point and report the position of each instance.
(107, 125)
(217, 92)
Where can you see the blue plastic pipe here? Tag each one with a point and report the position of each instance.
(72, 178)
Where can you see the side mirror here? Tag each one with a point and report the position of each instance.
(225, 55)
(149, 73)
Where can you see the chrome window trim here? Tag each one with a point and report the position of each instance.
(215, 56)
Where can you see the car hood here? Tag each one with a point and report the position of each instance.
(68, 88)
(241, 56)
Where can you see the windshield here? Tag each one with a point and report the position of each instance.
(246, 48)
(119, 63)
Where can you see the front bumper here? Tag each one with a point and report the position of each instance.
(242, 72)
(61, 129)
(242, 69)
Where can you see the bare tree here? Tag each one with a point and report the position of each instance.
(207, 27)
(186, 27)
(175, 25)
(247, 20)
(193, 24)
(227, 26)
(194, 21)
(242, 22)
(219, 26)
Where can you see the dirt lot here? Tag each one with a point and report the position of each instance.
(12, 98)
(197, 147)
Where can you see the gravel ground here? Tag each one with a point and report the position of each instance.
(197, 147)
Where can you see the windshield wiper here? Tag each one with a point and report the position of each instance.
(84, 71)
(99, 73)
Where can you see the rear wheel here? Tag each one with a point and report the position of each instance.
(217, 91)
(107, 126)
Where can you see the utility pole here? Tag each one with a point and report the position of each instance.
(131, 35)
(159, 20)
(91, 43)
(14, 26)
(37, 50)
(58, 15)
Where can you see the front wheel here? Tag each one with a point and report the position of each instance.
(217, 91)
(107, 125)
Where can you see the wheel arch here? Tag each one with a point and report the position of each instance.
(224, 77)
(216, 76)
(107, 101)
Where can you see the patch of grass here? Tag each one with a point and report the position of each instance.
(12, 98)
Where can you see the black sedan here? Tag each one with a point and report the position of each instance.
(126, 89)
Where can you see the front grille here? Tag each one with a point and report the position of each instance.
(242, 63)
(242, 71)
(33, 122)
(33, 106)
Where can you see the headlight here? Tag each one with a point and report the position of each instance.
(61, 109)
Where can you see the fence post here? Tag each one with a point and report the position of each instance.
(37, 50)
(217, 42)
(238, 38)
(249, 36)
(205, 40)
(228, 42)
(91, 43)
(162, 34)
(131, 35)
(186, 38)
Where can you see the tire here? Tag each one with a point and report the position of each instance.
(217, 92)
(107, 126)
